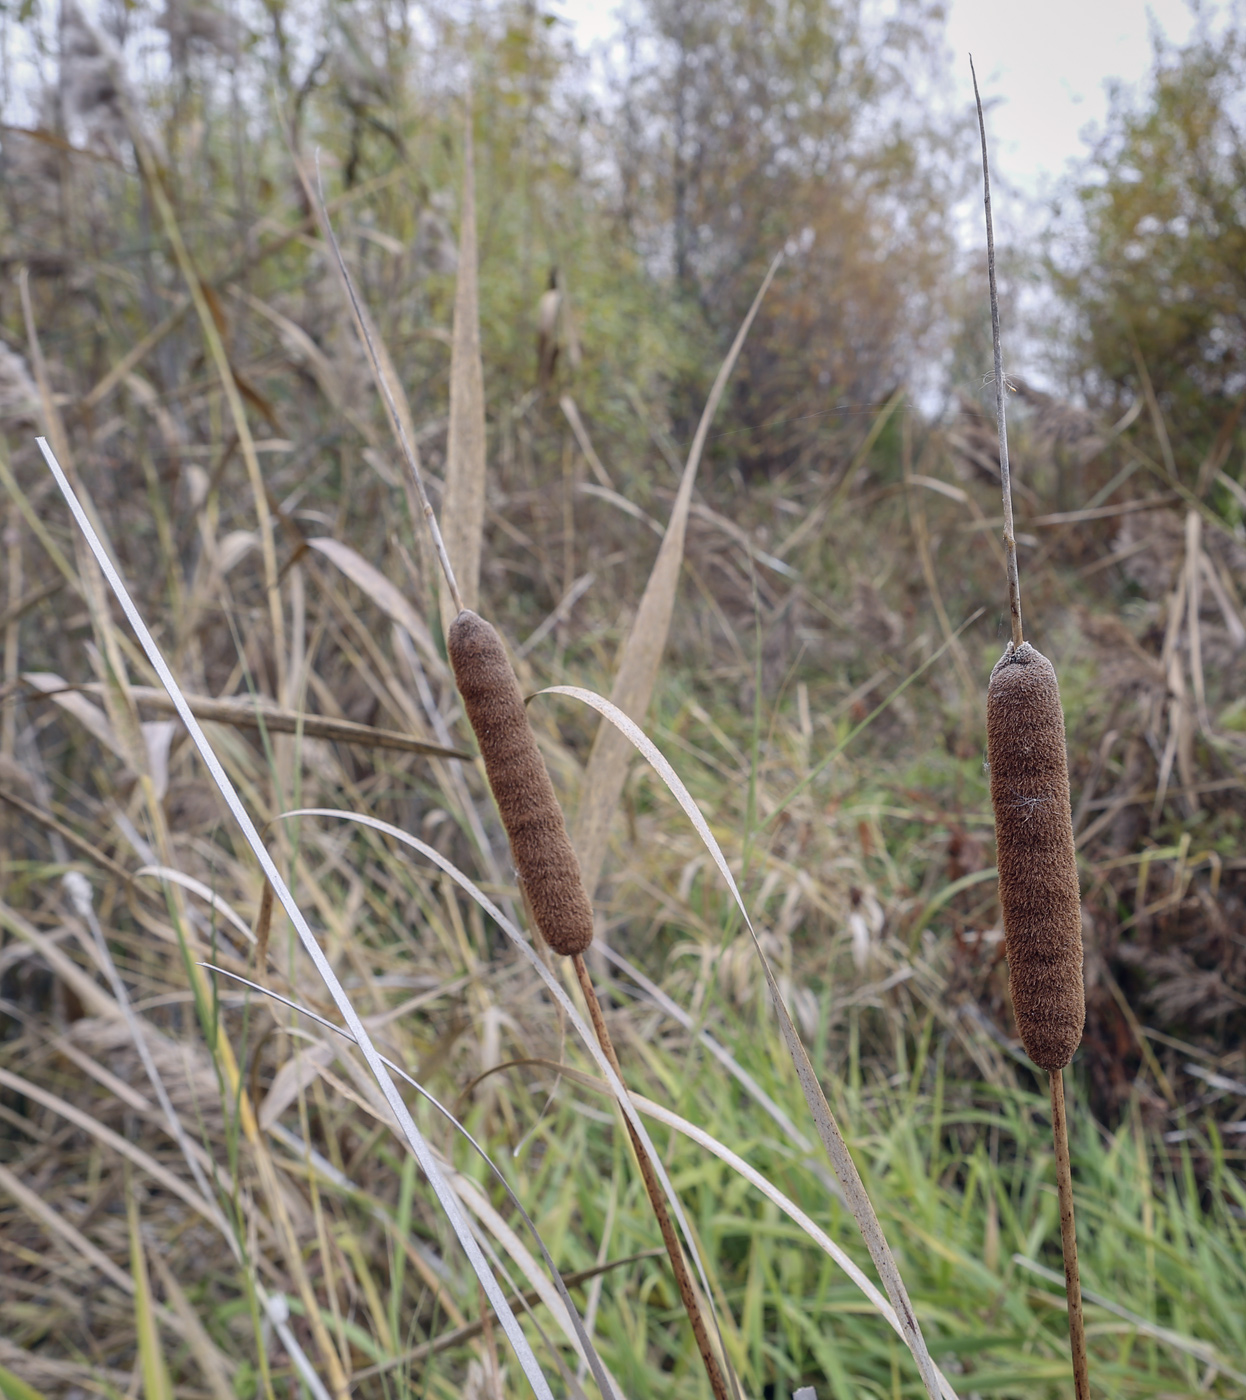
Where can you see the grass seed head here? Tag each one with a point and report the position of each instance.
(542, 851)
(1038, 888)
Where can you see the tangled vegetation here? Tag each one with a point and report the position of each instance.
(201, 1189)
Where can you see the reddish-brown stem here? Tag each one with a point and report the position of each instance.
(683, 1279)
(1068, 1238)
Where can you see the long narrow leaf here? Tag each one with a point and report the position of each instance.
(828, 1130)
(556, 990)
(607, 1385)
(155, 1370)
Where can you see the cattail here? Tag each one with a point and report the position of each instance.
(1038, 889)
(544, 857)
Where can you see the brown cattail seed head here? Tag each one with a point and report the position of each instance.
(1038, 889)
(541, 849)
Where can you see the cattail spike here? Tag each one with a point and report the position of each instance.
(1038, 889)
(544, 857)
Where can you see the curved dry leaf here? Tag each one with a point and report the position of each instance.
(234, 548)
(386, 595)
(158, 740)
(556, 990)
(579, 1335)
(89, 716)
(209, 896)
(641, 654)
(419, 1146)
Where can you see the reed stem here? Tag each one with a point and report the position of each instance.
(1068, 1238)
(683, 1279)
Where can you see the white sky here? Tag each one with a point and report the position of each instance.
(1046, 67)
(1043, 64)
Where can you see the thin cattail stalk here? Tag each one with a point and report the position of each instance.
(683, 1279)
(1010, 539)
(1068, 1238)
(1056, 1058)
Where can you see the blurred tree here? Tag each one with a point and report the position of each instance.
(1150, 252)
(753, 125)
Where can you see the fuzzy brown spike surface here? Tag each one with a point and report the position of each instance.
(1038, 888)
(544, 857)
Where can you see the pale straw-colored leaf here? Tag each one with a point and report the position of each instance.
(571, 412)
(89, 716)
(389, 386)
(463, 504)
(208, 895)
(292, 1078)
(828, 1130)
(158, 736)
(641, 655)
(446, 1197)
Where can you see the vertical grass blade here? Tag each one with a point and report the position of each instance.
(155, 1371)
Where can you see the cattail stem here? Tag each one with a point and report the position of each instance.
(1010, 539)
(1045, 955)
(653, 1187)
(1068, 1238)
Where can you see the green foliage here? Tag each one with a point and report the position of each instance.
(1152, 258)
